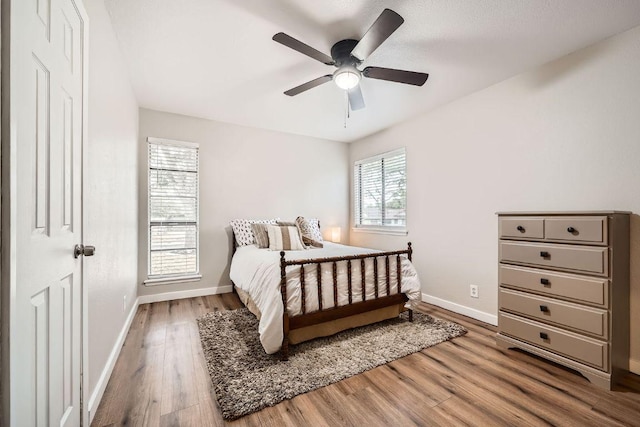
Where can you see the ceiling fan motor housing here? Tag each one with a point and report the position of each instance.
(341, 53)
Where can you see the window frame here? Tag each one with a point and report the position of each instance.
(153, 279)
(378, 228)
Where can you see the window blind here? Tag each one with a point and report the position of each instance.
(380, 190)
(173, 208)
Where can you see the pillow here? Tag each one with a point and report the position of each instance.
(287, 223)
(310, 231)
(284, 238)
(261, 235)
(243, 232)
(292, 224)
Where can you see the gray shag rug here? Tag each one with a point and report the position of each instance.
(246, 379)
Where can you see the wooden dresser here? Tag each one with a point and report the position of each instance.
(564, 289)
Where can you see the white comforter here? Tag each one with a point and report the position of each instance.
(257, 271)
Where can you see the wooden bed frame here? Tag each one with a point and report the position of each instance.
(353, 308)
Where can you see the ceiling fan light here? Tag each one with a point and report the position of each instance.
(346, 77)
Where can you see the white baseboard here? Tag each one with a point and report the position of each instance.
(461, 309)
(168, 296)
(634, 366)
(96, 396)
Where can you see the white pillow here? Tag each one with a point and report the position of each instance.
(284, 238)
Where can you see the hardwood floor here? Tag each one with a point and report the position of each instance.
(160, 379)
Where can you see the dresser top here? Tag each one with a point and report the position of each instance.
(574, 213)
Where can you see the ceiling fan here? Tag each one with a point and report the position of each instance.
(348, 54)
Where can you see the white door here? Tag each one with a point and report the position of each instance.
(47, 129)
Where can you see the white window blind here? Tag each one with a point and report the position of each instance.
(380, 191)
(173, 208)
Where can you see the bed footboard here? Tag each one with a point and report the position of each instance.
(335, 311)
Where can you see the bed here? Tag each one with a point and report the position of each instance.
(325, 290)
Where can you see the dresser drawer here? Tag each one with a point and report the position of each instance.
(521, 227)
(590, 351)
(564, 314)
(577, 229)
(587, 259)
(577, 288)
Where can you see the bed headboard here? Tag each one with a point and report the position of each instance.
(235, 242)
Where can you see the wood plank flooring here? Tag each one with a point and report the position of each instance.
(161, 379)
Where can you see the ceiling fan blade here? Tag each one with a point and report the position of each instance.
(309, 85)
(305, 49)
(385, 25)
(356, 101)
(398, 76)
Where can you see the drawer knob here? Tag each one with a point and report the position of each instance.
(544, 254)
(544, 281)
(544, 336)
(571, 230)
(520, 229)
(544, 309)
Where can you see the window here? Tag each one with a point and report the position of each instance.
(380, 191)
(173, 208)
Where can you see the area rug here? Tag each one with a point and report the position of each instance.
(246, 379)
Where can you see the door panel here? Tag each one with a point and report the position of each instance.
(39, 328)
(41, 105)
(67, 164)
(46, 126)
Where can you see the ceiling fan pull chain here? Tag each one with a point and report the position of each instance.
(346, 111)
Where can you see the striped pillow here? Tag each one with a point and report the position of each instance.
(261, 235)
(284, 238)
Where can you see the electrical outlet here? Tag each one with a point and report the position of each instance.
(124, 303)
(473, 291)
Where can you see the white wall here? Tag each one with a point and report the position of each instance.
(246, 173)
(111, 193)
(564, 136)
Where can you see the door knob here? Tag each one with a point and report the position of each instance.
(83, 250)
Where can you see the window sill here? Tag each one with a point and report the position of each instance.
(374, 230)
(171, 280)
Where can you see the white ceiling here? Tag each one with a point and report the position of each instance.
(215, 58)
